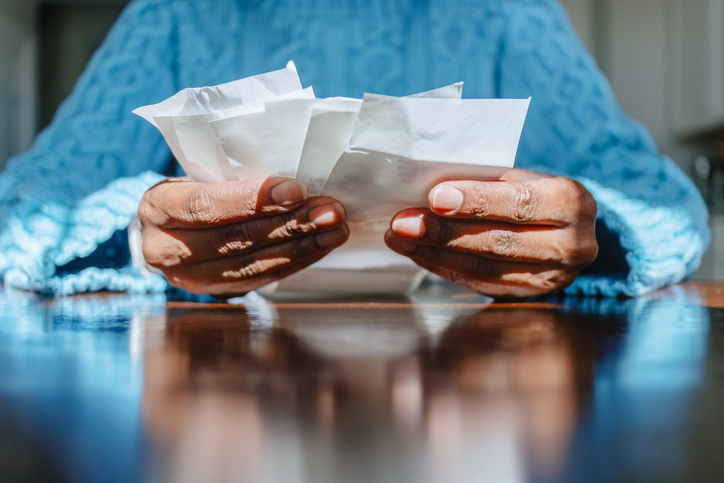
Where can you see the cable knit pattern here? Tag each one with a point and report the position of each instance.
(82, 180)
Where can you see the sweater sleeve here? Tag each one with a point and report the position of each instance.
(78, 187)
(575, 128)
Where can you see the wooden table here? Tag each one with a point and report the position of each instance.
(441, 387)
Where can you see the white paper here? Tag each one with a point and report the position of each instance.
(202, 100)
(184, 118)
(376, 155)
(328, 135)
(402, 147)
(267, 143)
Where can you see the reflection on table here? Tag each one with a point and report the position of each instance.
(441, 386)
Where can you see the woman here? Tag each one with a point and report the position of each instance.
(65, 204)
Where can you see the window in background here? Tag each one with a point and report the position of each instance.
(17, 81)
(69, 34)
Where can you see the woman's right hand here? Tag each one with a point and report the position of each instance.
(228, 238)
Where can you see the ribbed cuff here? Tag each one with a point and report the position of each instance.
(53, 235)
(664, 244)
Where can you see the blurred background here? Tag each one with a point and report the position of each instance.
(664, 60)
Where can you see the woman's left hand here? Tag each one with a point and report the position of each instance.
(527, 234)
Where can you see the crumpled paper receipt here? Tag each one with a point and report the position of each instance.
(376, 155)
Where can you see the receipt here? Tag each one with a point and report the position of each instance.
(401, 147)
(184, 120)
(376, 155)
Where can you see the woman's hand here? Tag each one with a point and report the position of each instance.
(527, 234)
(228, 238)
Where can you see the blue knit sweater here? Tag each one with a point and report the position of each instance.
(64, 205)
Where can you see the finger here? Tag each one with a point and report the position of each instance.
(222, 289)
(482, 274)
(183, 246)
(275, 261)
(549, 201)
(195, 205)
(495, 239)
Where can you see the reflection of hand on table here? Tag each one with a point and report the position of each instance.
(231, 237)
(526, 235)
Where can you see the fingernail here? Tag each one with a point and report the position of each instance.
(447, 199)
(411, 226)
(332, 238)
(327, 215)
(289, 193)
(399, 245)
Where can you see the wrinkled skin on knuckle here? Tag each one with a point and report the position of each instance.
(233, 238)
(480, 203)
(295, 224)
(525, 203)
(200, 206)
(502, 243)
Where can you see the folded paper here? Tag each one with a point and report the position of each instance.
(376, 155)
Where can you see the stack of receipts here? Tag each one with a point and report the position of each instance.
(376, 155)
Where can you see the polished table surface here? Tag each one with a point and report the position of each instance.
(442, 386)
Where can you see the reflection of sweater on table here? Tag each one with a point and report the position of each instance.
(63, 202)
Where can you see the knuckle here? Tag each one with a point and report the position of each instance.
(233, 238)
(481, 205)
(578, 198)
(525, 203)
(502, 243)
(162, 256)
(163, 251)
(247, 198)
(292, 225)
(297, 224)
(200, 207)
(579, 248)
(150, 208)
